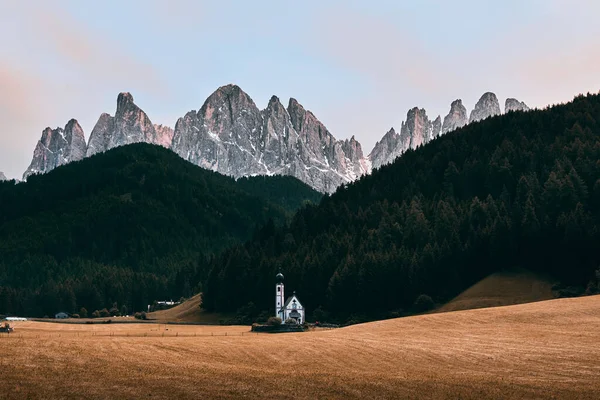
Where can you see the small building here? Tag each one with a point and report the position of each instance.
(291, 308)
(61, 315)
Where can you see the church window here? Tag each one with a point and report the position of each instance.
(278, 289)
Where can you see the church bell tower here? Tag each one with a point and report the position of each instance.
(279, 295)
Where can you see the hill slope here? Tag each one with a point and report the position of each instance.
(540, 350)
(502, 289)
(517, 189)
(131, 225)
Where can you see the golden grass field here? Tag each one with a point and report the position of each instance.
(188, 311)
(503, 289)
(548, 349)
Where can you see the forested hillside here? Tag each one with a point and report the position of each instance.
(132, 225)
(518, 190)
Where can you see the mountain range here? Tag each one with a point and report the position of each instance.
(231, 135)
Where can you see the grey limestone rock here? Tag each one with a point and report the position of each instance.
(486, 107)
(456, 118)
(230, 135)
(129, 125)
(57, 147)
(514, 105)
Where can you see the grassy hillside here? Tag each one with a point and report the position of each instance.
(521, 189)
(130, 226)
(503, 289)
(543, 350)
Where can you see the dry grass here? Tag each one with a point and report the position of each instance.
(189, 311)
(546, 349)
(503, 289)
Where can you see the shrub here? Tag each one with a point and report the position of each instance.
(138, 315)
(74, 315)
(424, 303)
(96, 314)
(320, 315)
(274, 321)
(104, 313)
(124, 310)
(263, 317)
(83, 312)
(291, 321)
(143, 315)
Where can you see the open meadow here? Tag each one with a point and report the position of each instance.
(548, 349)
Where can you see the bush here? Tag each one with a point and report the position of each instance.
(263, 317)
(74, 315)
(104, 313)
(83, 312)
(138, 315)
(96, 314)
(124, 310)
(246, 314)
(424, 303)
(320, 315)
(274, 321)
(291, 321)
(143, 315)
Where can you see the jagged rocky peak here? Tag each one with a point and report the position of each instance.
(101, 134)
(57, 147)
(486, 107)
(436, 127)
(164, 135)
(417, 129)
(229, 134)
(129, 125)
(514, 105)
(356, 163)
(2, 176)
(383, 151)
(456, 118)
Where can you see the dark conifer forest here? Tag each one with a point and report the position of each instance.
(132, 225)
(517, 190)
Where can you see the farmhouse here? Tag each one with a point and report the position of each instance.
(290, 308)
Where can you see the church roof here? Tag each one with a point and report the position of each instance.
(289, 300)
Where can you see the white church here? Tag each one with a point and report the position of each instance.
(291, 308)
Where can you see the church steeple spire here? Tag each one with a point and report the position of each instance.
(279, 295)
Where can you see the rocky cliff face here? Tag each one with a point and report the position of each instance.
(57, 147)
(415, 131)
(2, 176)
(514, 105)
(164, 135)
(456, 118)
(436, 127)
(129, 125)
(487, 106)
(230, 135)
(385, 149)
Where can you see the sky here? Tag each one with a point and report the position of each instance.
(359, 66)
